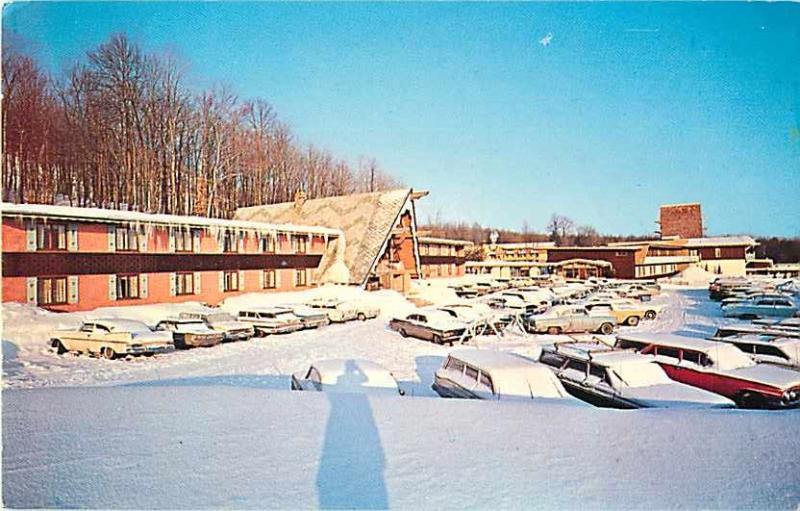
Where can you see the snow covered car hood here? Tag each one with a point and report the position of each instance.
(230, 325)
(768, 374)
(194, 329)
(674, 395)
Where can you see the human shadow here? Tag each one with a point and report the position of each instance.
(351, 469)
(426, 367)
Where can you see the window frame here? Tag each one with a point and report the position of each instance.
(226, 281)
(128, 277)
(180, 283)
(45, 228)
(53, 280)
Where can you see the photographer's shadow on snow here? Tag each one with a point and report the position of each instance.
(351, 469)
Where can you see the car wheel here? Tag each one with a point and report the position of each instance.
(750, 400)
(553, 330)
(108, 353)
(362, 316)
(60, 349)
(650, 315)
(633, 320)
(403, 332)
(606, 328)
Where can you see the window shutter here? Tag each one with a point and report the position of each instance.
(112, 287)
(241, 280)
(222, 281)
(143, 291)
(171, 232)
(32, 290)
(30, 235)
(72, 237)
(261, 279)
(72, 284)
(241, 242)
(112, 238)
(143, 240)
(173, 288)
(277, 278)
(196, 240)
(309, 273)
(197, 279)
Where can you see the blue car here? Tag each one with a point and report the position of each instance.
(760, 308)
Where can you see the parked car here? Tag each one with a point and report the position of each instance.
(231, 329)
(271, 320)
(625, 313)
(568, 319)
(338, 311)
(608, 377)
(719, 367)
(346, 375)
(486, 374)
(761, 307)
(783, 351)
(364, 311)
(767, 330)
(787, 323)
(430, 325)
(637, 291)
(190, 333)
(309, 317)
(111, 338)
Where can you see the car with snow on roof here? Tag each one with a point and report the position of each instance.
(111, 338)
(488, 374)
(271, 320)
(767, 349)
(768, 330)
(346, 375)
(614, 378)
(435, 326)
(190, 333)
(719, 367)
(759, 307)
(562, 319)
(309, 317)
(786, 323)
(231, 329)
(338, 311)
(625, 312)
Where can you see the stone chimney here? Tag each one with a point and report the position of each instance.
(299, 199)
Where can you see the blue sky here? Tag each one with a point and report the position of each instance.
(626, 107)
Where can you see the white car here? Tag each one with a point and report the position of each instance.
(310, 317)
(271, 320)
(110, 338)
(488, 374)
(346, 375)
(190, 333)
(223, 322)
(338, 311)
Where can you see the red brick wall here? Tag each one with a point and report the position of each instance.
(684, 220)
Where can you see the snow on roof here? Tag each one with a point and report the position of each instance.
(512, 374)
(671, 340)
(530, 244)
(120, 216)
(123, 325)
(443, 241)
(353, 373)
(720, 241)
(367, 220)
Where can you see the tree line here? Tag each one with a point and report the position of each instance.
(123, 130)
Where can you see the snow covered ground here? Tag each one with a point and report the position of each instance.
(218, 427)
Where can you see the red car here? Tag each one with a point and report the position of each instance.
(720, 368)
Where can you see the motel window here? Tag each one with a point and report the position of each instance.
(268, 243)
(717, 252)
(270, 281)
(230, 242)
(299, 244)
(127, 239)
(620, 254)
(231, 281)
(183, 240)
(184, 283)
(51, 237)
(423, 249)
(127, 287)
(300, 278)
(52, 290)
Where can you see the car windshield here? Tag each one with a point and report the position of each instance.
(219, 317)
(283, 314)
(641, 374)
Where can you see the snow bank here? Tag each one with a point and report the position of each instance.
(207, 443)
(693, 276)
